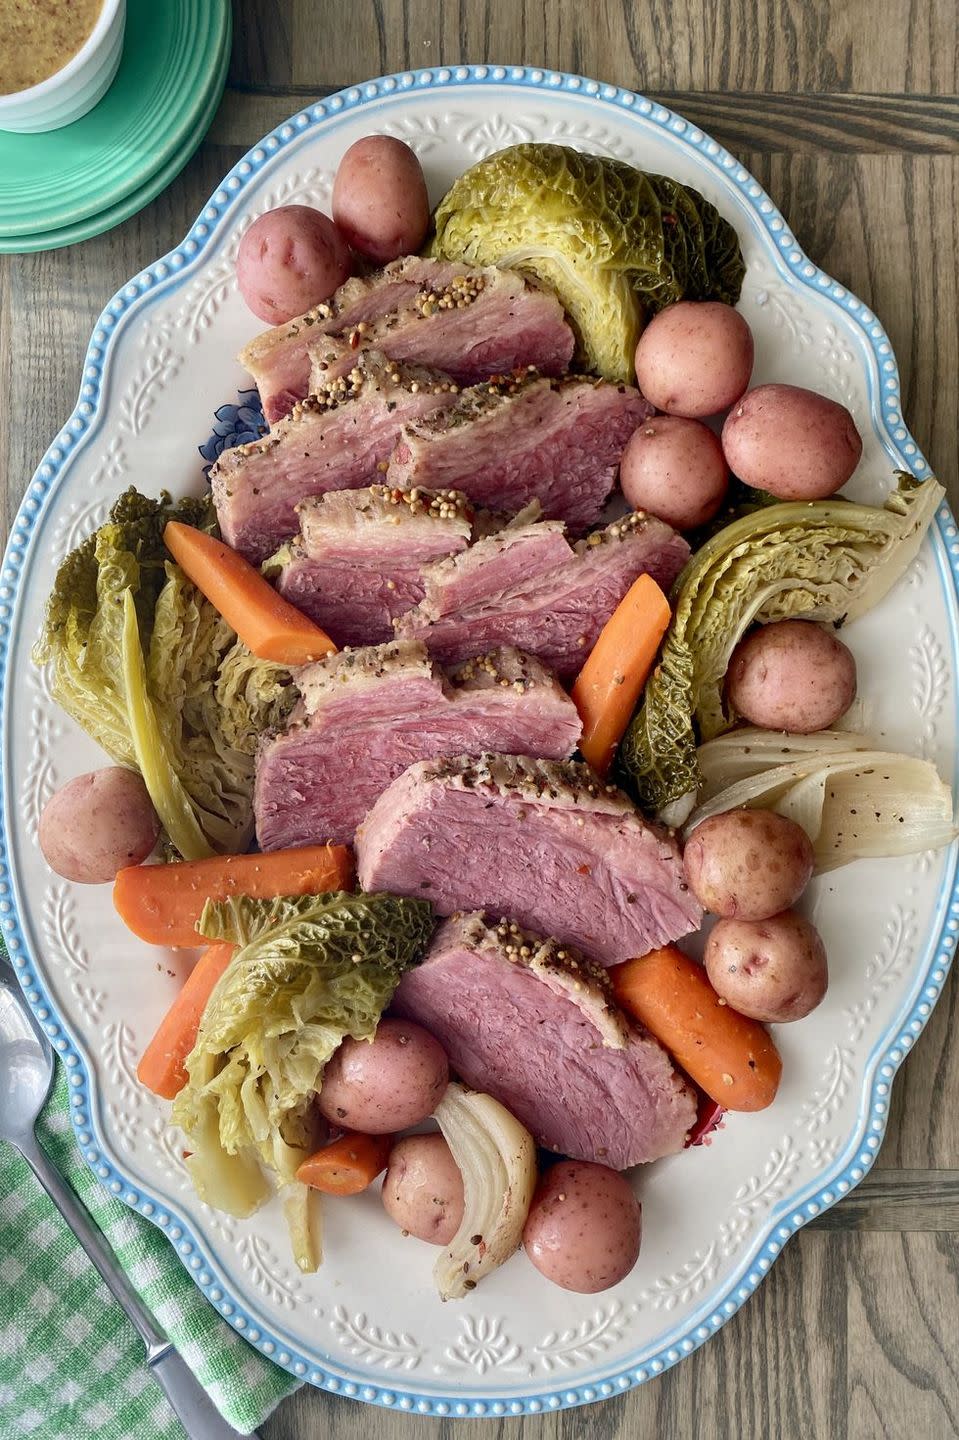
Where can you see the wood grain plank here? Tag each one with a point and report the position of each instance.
(903, 1378)
(663, 45)
(263, 38)
(796, 124)
(905, 1201)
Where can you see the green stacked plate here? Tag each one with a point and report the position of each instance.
(67, 185)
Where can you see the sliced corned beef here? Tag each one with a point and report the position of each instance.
(545, 844)
(477, 324)
(368, 714)
(534, 1024)
(337, 439)
(527, 586)
(482, 320)
(356, 562)
(522, 436)
(278, 360)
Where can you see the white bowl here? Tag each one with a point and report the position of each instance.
(73, 90)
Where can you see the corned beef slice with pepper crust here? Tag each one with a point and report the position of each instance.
(483, 320)
(523, 436)
(278, 359)
(335, 440)
(543, 843)
(480, 323)
(355, 565)
(368, 714)
(527, 586)
(534, 1024)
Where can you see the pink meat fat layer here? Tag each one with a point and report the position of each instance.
(560, 444)
(510, 1035)
(257, 487)
(554, 613)
(608, 884)
(355, 604)
(317, 781)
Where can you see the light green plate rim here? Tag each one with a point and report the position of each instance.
(109, 219)
(73, 183)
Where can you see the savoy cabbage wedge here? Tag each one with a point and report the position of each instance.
(169, 689)
(309, 970)
(613, 242)
(828, 560)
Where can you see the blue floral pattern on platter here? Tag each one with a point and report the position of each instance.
(234, 425)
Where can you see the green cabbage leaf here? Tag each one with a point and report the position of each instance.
(829, 560)
(150, 670)
(309, 971)
(613, 243)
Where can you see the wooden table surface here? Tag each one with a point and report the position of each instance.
(846, 111)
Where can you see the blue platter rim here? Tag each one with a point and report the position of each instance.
(891, 1047)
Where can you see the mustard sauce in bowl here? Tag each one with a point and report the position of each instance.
(39, 37)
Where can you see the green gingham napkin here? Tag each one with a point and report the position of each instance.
(70, 1362)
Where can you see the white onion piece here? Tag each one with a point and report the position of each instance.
(497, 1158)
(853, 799)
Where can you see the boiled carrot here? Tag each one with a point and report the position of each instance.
(162, 903)
(162, 1067)
(348, 1165)
(266, 623)
(610, 683)
(729, 1056)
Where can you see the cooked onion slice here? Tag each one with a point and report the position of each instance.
(853, 799)
(497, 1159)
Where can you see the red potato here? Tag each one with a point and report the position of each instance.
(794, 443)
(695, 358)
(289, 260)
(674, 469)
(423, 1189)
(584, 1227)
(748, 863)
(791, 675)
(98, 824)
(771, 970)
(379, 198)
(385, 1084)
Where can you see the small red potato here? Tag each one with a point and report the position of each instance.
(695, 358)
(97, 824)
(289, 260)
(379, 198)
(385, 1084)
(791, 675)
(674, 469)
(584, 1227)
(771, 970)
(423, 1189)
(794, 443)
(748, 863)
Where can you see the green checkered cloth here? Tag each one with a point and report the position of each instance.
(70, 1362)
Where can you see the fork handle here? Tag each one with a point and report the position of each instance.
(198, 1415)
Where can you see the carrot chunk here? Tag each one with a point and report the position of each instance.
(162, 903)
(162, 1067)
(610, 683)
(266, 623)
(348, 1165)
(729, 1056)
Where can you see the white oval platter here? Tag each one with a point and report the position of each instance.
(369, 1324)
